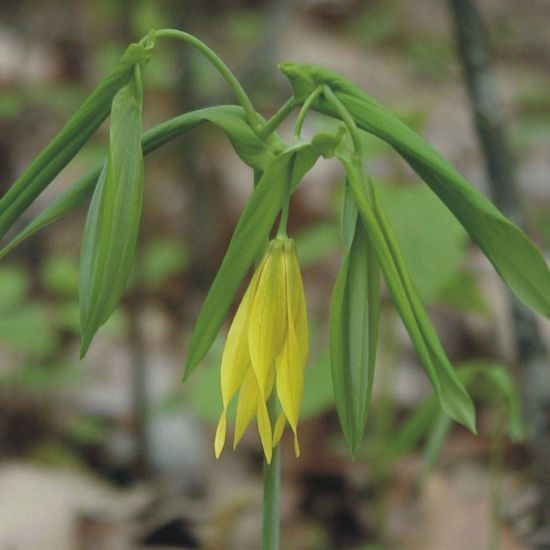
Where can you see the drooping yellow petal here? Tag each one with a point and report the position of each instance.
(296, 446)
(296, 298)
(291, 361)
(219, 440)
(267, 326)
(290, 378)
(278, 433)
(247, 405)
(236, 359)
(264, 428)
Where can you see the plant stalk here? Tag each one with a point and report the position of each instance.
(222, 68)
(346, 118)
(284, 219)
(275, 121)
(271, 477)
(308, 103)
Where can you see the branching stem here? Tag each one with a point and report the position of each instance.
(304, 111)
(284, 218)
(271, 488)
(346, 118)
(275, 121)
(234, 84)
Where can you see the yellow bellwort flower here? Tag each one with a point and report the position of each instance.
(267, 346)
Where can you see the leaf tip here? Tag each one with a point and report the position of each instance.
(188, 368)
(468, 420)
(84, 346)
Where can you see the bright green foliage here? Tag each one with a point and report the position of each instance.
(112, 225)
(514, 256)
(354, 313)
(370, 247)
(452, 397)
(228, 118)
(69, 141)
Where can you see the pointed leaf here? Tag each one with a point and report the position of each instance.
(228, 118)
(432, 241)
(70, 199)
(515, 257)
(112, 225)
(56, 155)
(354, 315)
(451, 394)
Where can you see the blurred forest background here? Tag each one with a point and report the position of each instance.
(113, 451)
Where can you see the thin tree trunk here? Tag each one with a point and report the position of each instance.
(472, 42)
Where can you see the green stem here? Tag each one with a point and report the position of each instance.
(355, 135)
(138, 80)
(271, 485)
(347, 119)
(223, 69)
(275, 121)
(304, 110)
(284, 219)
(363, 179)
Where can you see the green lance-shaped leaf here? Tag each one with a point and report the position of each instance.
(451, 394)
(112, 224)
(354, 316)
(228, 118)
(514, 256)
(273, 188)
(63, 147)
